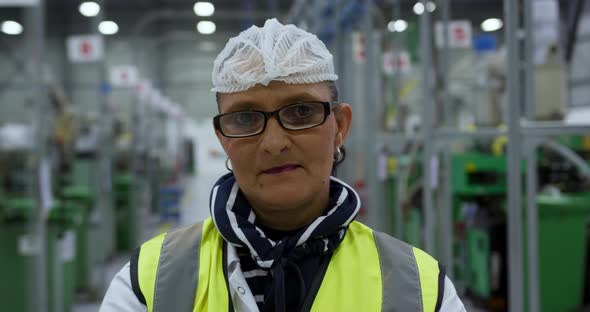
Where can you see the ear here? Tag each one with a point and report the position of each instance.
(343, 115)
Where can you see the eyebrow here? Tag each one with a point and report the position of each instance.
(252, 105)
(300, 97)
(241, 106)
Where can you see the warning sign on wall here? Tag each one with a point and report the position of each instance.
(124, 76)
(459, 35)
(396, 62)
(85, 49)
(358, 47)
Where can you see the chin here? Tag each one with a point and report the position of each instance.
(283, 196)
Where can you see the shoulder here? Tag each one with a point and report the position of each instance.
(391, 247)
(405, 267)
(120, 295)
(165, 250)
(188, 232)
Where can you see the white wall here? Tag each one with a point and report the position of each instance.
(580, 67)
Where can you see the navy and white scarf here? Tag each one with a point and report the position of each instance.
(236, 221)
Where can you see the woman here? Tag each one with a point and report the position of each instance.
(281, 236)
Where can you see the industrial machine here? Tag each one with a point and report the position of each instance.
(479, 187)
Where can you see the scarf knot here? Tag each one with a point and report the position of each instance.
(236, 222)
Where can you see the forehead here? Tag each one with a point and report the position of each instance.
(273, 96)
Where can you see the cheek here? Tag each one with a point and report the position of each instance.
(236, 152)
(324, 148)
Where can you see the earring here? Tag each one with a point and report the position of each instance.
(227, 164)
(338, 155)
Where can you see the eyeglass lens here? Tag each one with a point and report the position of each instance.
(293, 117)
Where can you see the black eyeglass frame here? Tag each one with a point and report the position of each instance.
(327, 110)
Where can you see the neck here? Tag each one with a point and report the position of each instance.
(288, 218)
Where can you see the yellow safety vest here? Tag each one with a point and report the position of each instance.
(369, 271)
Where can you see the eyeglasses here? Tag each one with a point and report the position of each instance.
(297, 116)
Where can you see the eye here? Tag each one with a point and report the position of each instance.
(303, 111)
(246, 118)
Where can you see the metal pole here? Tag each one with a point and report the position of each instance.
(532, 225)
(396, 46)
(446, 188)
(339, 46)
(445, 61)
(35, 42)
(531, 163)
(447, 215)
(545, 129)
(427, 128)
(337, 43)
(376, 211)
(529, 69)
(347, 75)
(514, 213)
(103, 174)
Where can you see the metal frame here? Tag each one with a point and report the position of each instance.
(514, 187)
(104, 202)
(427, 129)
(35, 41)
(524, 137)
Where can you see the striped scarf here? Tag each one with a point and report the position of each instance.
(236, 222)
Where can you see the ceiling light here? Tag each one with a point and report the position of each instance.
(400, 25)
(397, 26)
(89, 9)
(391, 26)
(492, 24)
(206, 27)
(204, 8)
(419, 8)
(108, 28)
(430, 6)
(11, 28)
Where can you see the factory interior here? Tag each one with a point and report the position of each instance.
(470, 138)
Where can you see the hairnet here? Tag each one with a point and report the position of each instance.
(272, 52)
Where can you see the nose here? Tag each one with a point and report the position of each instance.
(274, 140)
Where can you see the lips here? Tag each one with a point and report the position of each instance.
(281, 169)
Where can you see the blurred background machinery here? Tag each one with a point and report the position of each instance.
(471, 136)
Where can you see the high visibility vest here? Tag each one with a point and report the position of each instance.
(184, 270)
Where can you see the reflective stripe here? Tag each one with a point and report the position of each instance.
(353, 279)
(177, 276)
(429, 275)
(369, 271)
(212, 293)
(147, 266)
(401, 286)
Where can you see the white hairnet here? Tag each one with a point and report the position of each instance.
(273, 52)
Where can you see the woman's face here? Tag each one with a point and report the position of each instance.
(279, 169)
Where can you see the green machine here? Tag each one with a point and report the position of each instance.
(61, 256)
(17, 259)
(126, 213)
(563, 226)
(478, 188)
(79, 199)
(90, 190)
(478, 192)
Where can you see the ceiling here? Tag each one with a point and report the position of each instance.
(230, 15)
